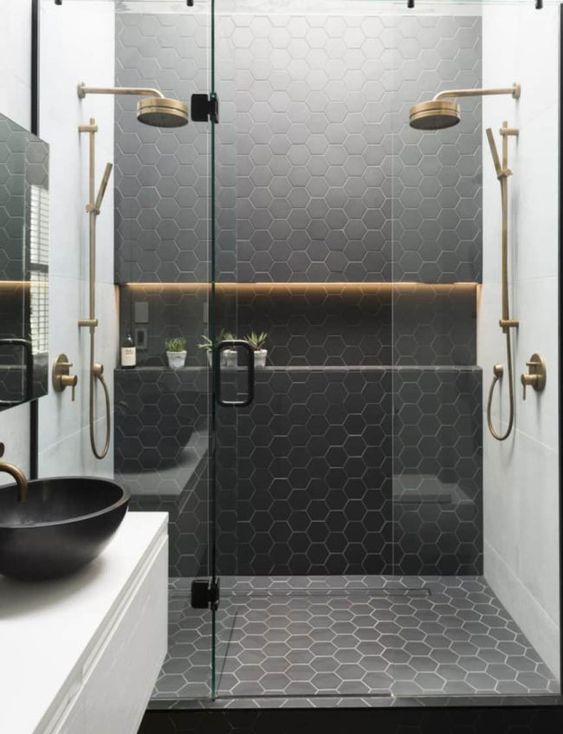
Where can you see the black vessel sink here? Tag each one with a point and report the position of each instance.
(64, 524)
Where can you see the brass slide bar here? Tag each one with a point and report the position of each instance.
(505, 322)
(93, 209)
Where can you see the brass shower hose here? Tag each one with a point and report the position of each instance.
(497, 377)
(97, 373)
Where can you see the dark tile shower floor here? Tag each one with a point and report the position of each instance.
(350, 636)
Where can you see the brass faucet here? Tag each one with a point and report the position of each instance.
(17, 474)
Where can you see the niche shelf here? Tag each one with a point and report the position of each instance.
(336, 287)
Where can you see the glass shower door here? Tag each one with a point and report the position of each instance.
(303, 471)
(349, 478)
(163, 272)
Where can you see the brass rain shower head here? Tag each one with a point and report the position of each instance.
(435, 115)
(154, 109)
(443, 111)
(162, 112)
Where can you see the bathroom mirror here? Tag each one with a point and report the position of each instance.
(24, 264)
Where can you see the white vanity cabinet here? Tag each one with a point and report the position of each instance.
(81, 655)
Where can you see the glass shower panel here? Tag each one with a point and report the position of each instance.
(436, 266)
(457, 490)
(303, 252)
(163, 417)
(350, 490)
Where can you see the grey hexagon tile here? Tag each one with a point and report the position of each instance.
(318, 431)
(272, 205)
(290, 107)
(310, 500)
(165, 170)
(24, 184)
(161, 450)
(250, 665)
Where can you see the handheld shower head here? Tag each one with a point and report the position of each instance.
(103, 186)
(494, 151)
(154, 109)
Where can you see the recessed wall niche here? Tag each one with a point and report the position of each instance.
(312, 324)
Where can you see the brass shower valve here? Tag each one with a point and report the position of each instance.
(61, 376)
(536, 375)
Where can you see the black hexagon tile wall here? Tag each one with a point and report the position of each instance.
(319, 181)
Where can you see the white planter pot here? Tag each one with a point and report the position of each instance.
(229, 358)
(176, 360)
(260, 356)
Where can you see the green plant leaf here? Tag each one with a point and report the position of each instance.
(257, 341)
(176, 344)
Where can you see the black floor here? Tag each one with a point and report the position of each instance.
(348, 638)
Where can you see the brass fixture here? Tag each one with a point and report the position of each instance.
(506, 323)
(536, 375)
(88, 322)
(155, 109)
(162, 112)
(442, 111)
(503, 172)
(93, 210)
(61, 376)
(16, 473)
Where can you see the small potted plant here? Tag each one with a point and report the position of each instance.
(207, 344)
(176, 352)
(257, 342)
(229, 357)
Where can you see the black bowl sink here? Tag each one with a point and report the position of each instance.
(64, 524)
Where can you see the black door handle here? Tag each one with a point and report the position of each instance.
(234, 344)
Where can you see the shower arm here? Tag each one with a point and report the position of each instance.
(83, 90)
(514, 91)
(153, 107)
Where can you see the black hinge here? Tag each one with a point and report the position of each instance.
(205, 107)
(205, 594)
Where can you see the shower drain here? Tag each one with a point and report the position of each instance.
(369, 592)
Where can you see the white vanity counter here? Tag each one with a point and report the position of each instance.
(82, 654)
